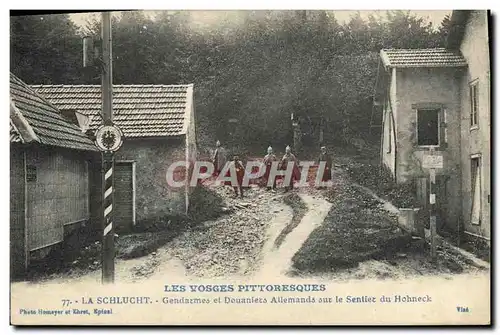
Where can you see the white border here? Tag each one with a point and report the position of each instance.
(197, 4)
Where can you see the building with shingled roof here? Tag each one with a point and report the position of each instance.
(438, 100)
(158, 125)
(50, 179)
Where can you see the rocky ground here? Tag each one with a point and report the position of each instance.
(231, 244)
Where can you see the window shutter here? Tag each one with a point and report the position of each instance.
(414, 128)
(389, 135)
(471, 100)
(476, 190)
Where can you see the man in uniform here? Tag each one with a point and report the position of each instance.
(240, 173)
(218, 158)
(289, 157)
(325, 157)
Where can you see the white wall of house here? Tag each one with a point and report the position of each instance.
(191, 143)
(389, 118)
(436, 89)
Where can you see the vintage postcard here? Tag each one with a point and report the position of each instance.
(270, 167)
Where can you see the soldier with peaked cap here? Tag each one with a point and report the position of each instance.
(289, 157)
(219, 158)
(268, 161)
(325, 157)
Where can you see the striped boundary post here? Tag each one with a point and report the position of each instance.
(432, 212)
(108, 261)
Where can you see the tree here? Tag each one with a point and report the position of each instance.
(46, 49)
(444, 30)
(408, 31)
(255, 67)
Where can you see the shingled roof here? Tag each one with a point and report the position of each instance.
(139, 110)
(32, 118)
(412, 58)
(14, 134)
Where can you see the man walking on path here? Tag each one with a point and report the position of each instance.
(268, 161)
(219, 158)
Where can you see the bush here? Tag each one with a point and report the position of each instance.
(161, 222)
(205, 204)
(380, 180)
(403, 195)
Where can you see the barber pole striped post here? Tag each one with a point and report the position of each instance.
(108, 264)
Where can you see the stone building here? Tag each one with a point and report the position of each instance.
(158, 125)
(438, 100)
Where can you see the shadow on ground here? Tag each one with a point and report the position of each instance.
(299, 209)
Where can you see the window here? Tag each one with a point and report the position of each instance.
(428, 127)
(473, 104)
(476, 190)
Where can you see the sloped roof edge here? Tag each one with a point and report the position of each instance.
(37, 120)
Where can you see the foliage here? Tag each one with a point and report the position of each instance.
(354, 231)
(380, 180)
(253, 68)
(45, 49)
(205, 204)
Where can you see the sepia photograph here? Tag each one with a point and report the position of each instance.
(250, 167)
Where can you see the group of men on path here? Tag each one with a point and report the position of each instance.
(219, 159)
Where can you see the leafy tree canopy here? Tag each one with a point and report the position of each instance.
(257, 67)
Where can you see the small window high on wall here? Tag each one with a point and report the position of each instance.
(428, 127)
(476, 190)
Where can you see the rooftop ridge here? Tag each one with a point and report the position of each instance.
(415, 49)
(114, 85)
(141, 110)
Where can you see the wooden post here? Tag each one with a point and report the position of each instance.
(432, 210)
(433, 162)
(108, 243)
(88, 51)
(108, 248)
(321, 131)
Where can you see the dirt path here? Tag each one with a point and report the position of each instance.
(228, 247)
(278, 260)
(270, 261)
(238, 245)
